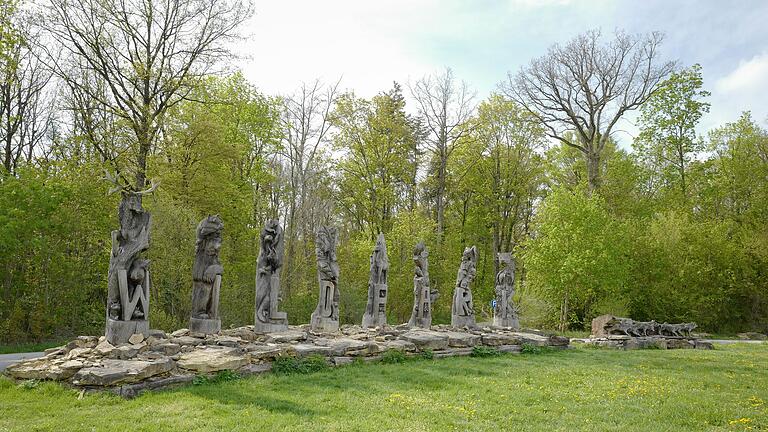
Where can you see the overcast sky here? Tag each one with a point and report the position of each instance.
(370, 44)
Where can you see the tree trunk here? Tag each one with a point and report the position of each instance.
(592, 158)
(564, 314)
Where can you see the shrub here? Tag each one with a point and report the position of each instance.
(484, 351)
(393, 356)
(292, 365)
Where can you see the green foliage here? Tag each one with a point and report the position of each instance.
(528, 348)
(578, 256)
(427, 354)
(29, 384)
(299, 365)
(393, 356)
(484, 351)
(667, 142)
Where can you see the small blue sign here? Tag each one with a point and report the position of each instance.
(493, 303)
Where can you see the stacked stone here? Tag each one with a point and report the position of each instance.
(162, 360)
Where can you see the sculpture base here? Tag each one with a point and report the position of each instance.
(425, 323)
(324, 325)
(205, 326)
(502, 322)
(463, 321)
(371, 321)
(118, 331)
(271, 327)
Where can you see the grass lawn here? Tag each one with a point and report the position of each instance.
(581, 389)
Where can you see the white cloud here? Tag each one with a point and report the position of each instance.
(745, 88)
(749, 76)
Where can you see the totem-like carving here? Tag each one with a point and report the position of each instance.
(607, 325)
(206, 277)
(325, 318)
(463, 311)
(128, 283)
(268, 318)
(504, 311)
(423, 297)
(376, 308)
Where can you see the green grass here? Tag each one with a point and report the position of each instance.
(29, 347)
(581, 389)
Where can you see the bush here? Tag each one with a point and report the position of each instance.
(484, 351)
(427, 354)
(294, 365)
(528, 348)
(393, 356)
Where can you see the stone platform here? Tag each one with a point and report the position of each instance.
(164, 360)
(646, 342)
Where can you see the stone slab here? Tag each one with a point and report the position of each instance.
(212, 359)
(112, 372)
(426, 339)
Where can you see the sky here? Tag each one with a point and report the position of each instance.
(370, 44)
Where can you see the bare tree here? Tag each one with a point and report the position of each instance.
(306, 124)
(445, 106)
(25, 106)
(149, 54)
(586, 86)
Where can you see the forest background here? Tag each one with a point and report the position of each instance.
(670, 226)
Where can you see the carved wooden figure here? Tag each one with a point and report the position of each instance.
(268, 318)
(128, 280)
(376, 308)
(504, 312)
(206, 277)
(423, 297)
(325, 318)
(462, 311)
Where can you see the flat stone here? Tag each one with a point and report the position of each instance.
(104, 348)
(426, 339)
(83, 342)
(187, 340)
(78, 352)
(136, 339)
(496, 339)
(246, 333)
(303, 350)
(287, 336)
(679, 344)
(340, 361)
(180, 332)
(113, 372)
(462, 340)
(400, 345)
(40, 370)
(703, 345)
(54, 351)
(537, 339)
(228, 341)
(211, 359)
(168, 349)
(124, 352)
(261, 352)
(159, 334)
(352, 347)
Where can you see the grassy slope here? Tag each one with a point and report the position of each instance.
(581, 389)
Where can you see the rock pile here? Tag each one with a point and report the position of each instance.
(162, 360)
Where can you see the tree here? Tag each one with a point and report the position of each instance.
(585, 87)
(444, 106)
(668, 120)
(578, 256)
(149, 55)
(25, 107)
(377, 138)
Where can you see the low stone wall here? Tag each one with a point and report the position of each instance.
(164, 360)
(646, 342)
